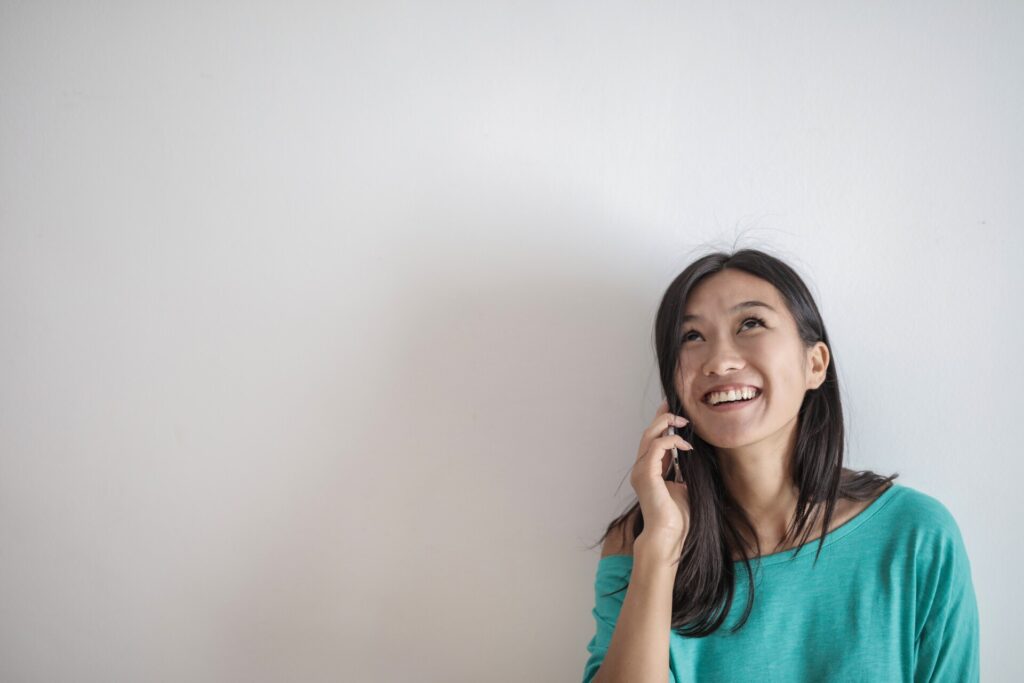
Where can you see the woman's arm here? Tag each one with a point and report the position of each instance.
(639, 648)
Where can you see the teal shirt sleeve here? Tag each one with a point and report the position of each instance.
(948, 634)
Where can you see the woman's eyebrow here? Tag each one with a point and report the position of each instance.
(738, 307)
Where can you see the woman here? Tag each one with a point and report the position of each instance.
(709, 576)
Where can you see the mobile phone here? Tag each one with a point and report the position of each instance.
(677, 474)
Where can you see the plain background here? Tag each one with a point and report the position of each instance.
(326, 327)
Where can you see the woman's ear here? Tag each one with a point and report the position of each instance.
(818, 360)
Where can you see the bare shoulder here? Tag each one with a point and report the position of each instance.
(620, 539)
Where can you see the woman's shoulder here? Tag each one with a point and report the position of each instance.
(918, 509)
(619, 539)
(923, 522)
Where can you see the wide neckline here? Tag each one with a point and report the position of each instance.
(840, 532)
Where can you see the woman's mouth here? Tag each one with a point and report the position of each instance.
(738, 404)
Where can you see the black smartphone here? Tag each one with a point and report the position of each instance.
(674, 473)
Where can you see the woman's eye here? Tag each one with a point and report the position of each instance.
(759, 321)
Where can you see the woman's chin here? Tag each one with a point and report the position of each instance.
(726, 441)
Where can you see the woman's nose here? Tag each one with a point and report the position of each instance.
(722, 358)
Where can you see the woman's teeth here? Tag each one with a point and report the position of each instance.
(734, 395)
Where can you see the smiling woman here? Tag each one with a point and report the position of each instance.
(748, 374)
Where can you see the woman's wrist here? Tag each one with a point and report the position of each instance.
(659, 546)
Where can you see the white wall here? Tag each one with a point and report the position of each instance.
(326, 339)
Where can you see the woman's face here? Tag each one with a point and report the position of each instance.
(726, 346)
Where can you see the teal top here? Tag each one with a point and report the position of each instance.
(890, 599)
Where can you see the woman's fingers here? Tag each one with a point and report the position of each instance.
(658, 428)
(659, 454)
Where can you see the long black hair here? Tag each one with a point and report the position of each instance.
(705, 581)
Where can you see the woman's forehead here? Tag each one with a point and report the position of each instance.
(728, 292)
